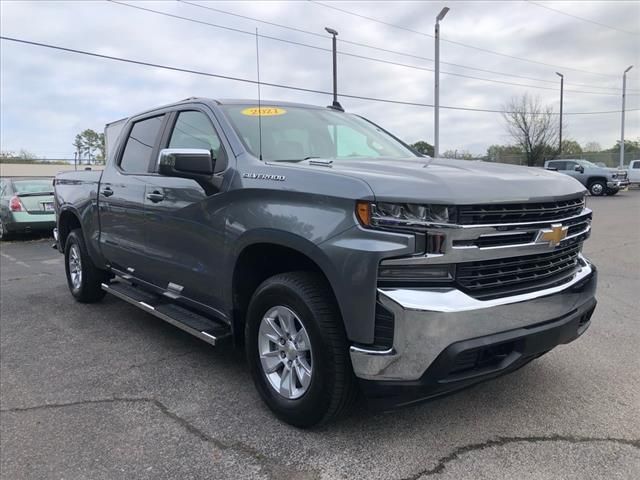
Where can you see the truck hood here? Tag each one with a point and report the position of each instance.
(460, 182)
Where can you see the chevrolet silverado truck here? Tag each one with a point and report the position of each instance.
(341, 260)
(598, 180)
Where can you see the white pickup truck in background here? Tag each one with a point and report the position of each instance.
(633, 173)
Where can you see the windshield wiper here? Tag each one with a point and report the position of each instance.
(296, 160)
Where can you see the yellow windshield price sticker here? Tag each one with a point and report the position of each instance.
(263, 111)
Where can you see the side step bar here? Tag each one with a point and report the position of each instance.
(210, 330)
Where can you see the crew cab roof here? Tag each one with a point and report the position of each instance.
(225, 102)
(228, 101)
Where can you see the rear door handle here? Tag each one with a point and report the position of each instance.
(155, 196)
(107, 192)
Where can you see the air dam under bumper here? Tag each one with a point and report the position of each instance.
(445, 340)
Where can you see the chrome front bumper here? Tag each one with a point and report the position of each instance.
(427, 321)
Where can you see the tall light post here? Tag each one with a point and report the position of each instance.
(624, 94)
(334, 34)
(561, 100)
(436, 99)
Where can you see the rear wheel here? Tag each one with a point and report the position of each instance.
(597, 188)
(83, 277)
(297, 349)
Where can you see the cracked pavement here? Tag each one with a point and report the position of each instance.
(108, 391)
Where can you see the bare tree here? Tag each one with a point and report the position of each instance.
(533, 126)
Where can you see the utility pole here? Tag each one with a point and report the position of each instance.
(436, 98)
(335, 103)
(624, 94)
(561, 101)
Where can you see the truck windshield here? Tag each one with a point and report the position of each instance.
(298, 133)
(587, 164)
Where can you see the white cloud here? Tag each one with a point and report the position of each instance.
(48, 96)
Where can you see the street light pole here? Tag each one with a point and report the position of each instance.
(561, 101)
(335, 103)
(436, 97)
(624, 94)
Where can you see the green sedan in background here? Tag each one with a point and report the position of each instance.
(26, 205)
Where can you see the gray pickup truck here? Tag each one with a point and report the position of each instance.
(598, 180)
(339, 258)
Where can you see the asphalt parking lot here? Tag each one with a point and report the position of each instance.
(107, 391)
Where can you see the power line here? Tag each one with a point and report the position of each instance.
(386, 50)
(582, 18)
(269, 84)
(363, 57)
(493, 52)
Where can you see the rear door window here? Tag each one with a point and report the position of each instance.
(136, 157)
(558, 165)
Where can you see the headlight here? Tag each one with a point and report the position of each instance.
(409, 215)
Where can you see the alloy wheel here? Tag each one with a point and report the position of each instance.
(75, 267)
(285, 352)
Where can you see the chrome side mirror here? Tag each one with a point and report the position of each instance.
(195, 163)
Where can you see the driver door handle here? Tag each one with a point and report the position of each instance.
(107, 192)
(155, 196)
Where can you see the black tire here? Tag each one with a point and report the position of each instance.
(612, 191)
(332, 389)
(597, 188)
(5, 235)
(89, 288)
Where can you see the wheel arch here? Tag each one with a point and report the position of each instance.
(596, 179)
(68, 220)
(265, 253)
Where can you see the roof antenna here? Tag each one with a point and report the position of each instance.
(259, 100)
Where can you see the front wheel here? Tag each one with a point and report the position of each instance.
(612, 191)
(597, 188)
(83, 277)
(297, 349)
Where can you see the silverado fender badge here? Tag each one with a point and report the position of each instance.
(264, 176)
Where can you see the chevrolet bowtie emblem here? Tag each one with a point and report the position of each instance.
(553, 236)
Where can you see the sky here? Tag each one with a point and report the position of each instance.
(49, 96)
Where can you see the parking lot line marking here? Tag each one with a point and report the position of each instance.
(52, 261)
(21, 263)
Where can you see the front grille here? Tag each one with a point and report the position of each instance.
(488, 241)
(503, 277)
(518, 212)
(578, 227)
